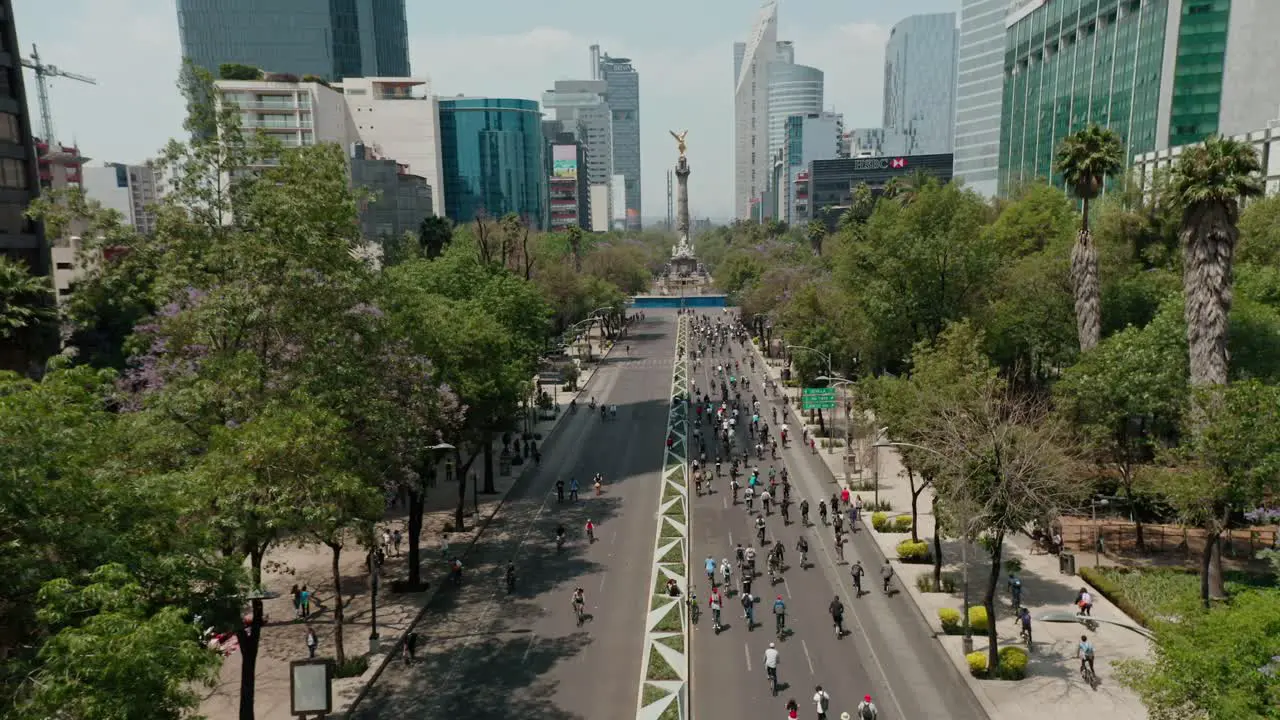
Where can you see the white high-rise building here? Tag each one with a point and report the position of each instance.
(399, 119)
(752, 61)
(920, 85)
(978, 94)
(793, 90)
(294, 113)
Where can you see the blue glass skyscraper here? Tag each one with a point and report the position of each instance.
(333, 39)
(492, 153)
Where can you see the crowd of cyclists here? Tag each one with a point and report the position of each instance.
(735, 447)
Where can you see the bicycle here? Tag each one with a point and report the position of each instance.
(694, 610)
(580, 611)
(1088, 675)
(780, 625)
(772, 672)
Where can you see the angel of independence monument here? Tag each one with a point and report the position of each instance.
(683, 268)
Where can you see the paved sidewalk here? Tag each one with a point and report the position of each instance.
(1053, 688)
(311, 564)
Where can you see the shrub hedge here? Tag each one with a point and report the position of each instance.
(977, 663)
(1112, 592)
(950, 618)
(902, 523)
(978, 619)
(913, 552)
(924, 582)
(879, 520)
(1013, 663)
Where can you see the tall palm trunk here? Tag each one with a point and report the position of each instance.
(1085, 285)
(1209, 242)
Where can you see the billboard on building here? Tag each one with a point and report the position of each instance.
(564, 161)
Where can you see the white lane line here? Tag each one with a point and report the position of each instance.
(532, 639)
(805, 645)
(602, 579)
(787, 587)
(731, 539)
(614, 539)
(726, 502)
(747, 649)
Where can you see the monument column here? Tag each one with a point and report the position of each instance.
(682, 198)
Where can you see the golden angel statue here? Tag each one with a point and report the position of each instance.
(679, 136)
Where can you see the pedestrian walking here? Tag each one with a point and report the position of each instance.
(386, 540)
(296, 594)
(840, 547)
(821, 701)
(312, 642)
(396, 537)
(304, 601)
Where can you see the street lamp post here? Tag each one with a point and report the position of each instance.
(967, 640)
(837, 382)
(374, 582)
(827, 358)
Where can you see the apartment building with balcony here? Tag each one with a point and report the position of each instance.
(292, 112)
(131, 190)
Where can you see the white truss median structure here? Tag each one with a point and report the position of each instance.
(664, 676)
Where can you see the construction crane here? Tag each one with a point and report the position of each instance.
(43, 73)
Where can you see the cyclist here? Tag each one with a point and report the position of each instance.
(740, 554)
(726, 574)
(573, 489)
(856, 571)
(785, 508)
(511, 577)
(1084, 651)
(1025, 618)
(771, 663)
(886, 574)
(765, 499)
(717, 467)
(760, 529)
(711, 571)
(591, 531)
(802, 546)
(560, 536)
(775, 562)
(749, 609)
(804, 513)
(715, 609)
(750, 554)
(837, 615)
(779, 615)
(822, 511)
(579, 603)
(749, 495)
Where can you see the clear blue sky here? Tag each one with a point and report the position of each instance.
(683, 51)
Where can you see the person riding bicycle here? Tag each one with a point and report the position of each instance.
(579, 601)
(715, 604)
(711, 571)
(822, 511)
(760, 529)
(836, 608)
(1084, 651)
(1024, 617)
(886, 574)
(775, 561)
(780, 614)
(591, 530)
(804, 512)
(856, 571)
(802, 546)
(750, 555)
(726, 572)
(560, 532)
(771, 662)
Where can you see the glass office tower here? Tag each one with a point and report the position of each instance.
(333, 39)
(920, 85)
(623, 99)
(492, 155)
(978, 93)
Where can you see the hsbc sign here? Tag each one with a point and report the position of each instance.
(880, 163)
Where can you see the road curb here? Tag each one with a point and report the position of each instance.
(670, 698)
(482, 524)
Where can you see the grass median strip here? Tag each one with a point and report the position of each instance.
(652, 695)
(659, 668)
(675, 642)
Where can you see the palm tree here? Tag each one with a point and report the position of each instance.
(25, 299)
(914, 184)
(575, 246)
(1085, 159)
(1210, 180)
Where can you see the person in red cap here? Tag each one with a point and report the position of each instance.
(867, 709)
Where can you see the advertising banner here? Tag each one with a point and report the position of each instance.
(564, 161)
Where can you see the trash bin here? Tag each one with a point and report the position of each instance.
(1067, 563)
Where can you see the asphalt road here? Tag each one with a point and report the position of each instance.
(888, 651)
(485, 654)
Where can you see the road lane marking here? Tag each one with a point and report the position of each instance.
(532, 639)
(786, 586)
(747, 649)
(808, 657)
(613, 540)
(602, 579)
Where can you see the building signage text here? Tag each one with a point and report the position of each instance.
(880, 163)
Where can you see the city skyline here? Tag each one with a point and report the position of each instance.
(132, 50)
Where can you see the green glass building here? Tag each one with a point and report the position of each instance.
(492, 156)
(1161, 73)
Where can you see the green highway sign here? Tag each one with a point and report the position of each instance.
(818, 399)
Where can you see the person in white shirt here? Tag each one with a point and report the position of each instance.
(821, 701)
(771, 659)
